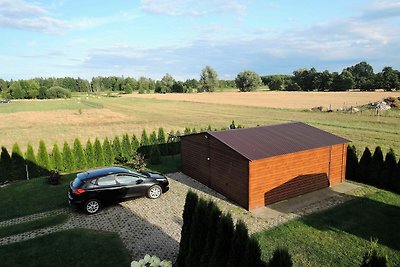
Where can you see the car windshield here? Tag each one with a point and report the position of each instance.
(77, 183)
(142, 174)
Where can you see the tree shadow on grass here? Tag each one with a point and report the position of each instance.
(363, 217)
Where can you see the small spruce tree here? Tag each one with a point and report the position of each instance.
(56, 158)
(79, 155)
(30, 160)
(5, 164)
(363, 165)
(280, 258)
(89, 154)
(214, 215)
(254, 254)
(375, 168)
(108, 152)
(17, 163)
(389, 170)
(351, 164)
(144, 144)
(223, 242)
(68, 158)
(126, 146)
(162, 141)
(240, 240)
(134, 144)
(98, 153)
(188, 211)
(153, 138)
(117, 148)
(43, 158)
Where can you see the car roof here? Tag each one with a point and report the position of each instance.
(101, 172)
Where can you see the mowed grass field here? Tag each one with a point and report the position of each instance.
(56, 121)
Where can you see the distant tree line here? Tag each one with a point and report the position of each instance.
(360, 76)
(374, 169)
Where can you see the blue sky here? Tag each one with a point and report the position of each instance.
(153, 37)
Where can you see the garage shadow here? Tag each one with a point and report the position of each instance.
(362, 217)
(299, 185)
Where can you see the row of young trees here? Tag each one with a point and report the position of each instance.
(209, 238)
(374, 169)
(77, 157)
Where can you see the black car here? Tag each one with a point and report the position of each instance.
(91, 189)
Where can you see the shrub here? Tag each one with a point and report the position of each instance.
(223, 241)
(89, 154)
(58, 92)
(352, 163)
(371, 257)
(126, 146)
(363, 165)
(79, 155)
(30, 160)
(54, 177)
(280, 258)
(138, 162)
(188, 211)
(5, 164)
(152, 261)
(17, 163)
(108, 152)
(43, 158)
(155, 155)
(98, 153)
(68, 158)
(56, 158)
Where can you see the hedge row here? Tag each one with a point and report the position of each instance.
(209, 238)
(373, 169)
(76, 157)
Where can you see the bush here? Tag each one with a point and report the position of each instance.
(58, 92)
(280, 258)
(54, 177)
(138, 162)
(371, 257)
(352, 163)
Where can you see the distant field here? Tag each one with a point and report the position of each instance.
(59, 120)
(274, 99)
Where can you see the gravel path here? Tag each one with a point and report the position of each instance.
(153, 227)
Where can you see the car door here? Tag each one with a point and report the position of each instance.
(133, 184)
(108, 189)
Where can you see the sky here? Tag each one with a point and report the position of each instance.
(153, 37)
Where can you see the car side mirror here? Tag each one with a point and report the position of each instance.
(139, 181)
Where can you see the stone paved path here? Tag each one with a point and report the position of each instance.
(153, 227)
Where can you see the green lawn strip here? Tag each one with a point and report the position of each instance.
(76, 247)
(28, 197)
(168, 164)
(33, 225)
(340, 236)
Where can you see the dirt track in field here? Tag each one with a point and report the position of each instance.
(298, 100)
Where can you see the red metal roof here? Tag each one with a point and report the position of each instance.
(268, 141)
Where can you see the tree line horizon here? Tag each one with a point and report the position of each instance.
(359, 76)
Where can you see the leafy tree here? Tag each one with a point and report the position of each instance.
(304, 78)
(389, 170)
(57, 159)
(79, 155)
(68, 158)
(280, 258)
(43, 158)
(98, 153)
(17, 163)
(363, 165)
(343, 82)
(363, 74)
(89, 154)
(126, 147)
(178, 87)
(30, 160)
(375, 168)
(155, 155)
(5, 164)
(108, 152)
(58, 92)
(208, 80)
(188, 211)
(238, 254)
(292, 86)
(352, 162)
(275, 83)
(165, 85)
(16, 90)
(128, 89)
(134, 144)
(247, 81)
(223, 241)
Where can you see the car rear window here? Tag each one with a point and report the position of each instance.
(77, 183)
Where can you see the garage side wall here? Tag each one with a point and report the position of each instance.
(338, 164)
(277, 178)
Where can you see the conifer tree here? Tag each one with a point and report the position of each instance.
(209, 128)
(89, 154)
(68, 158)
(134, 144)
(108, 153)
(187, 131)
(126, 147)
(194, 130)
(351, 164)
(17, 163)
(5, 164)
(30, 160)
(155, 155)
(162, 141)
(223, 241)
(254, 254)
(188, 210)
(214, 215)
(153, 138)
(363, 166)
(238, 254)
(389, 170)
(43, 158)
(56, 158)
(144, 144)
(79, 155)
(98, 153)
(117, 148)
(375, 168)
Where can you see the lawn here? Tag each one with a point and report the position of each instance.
(77, 247)
(341, 235)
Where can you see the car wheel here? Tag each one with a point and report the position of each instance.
(154, 192)
(92, 206)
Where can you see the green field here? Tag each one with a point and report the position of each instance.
(59, 120)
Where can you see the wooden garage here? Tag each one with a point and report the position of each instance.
(258, 166)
